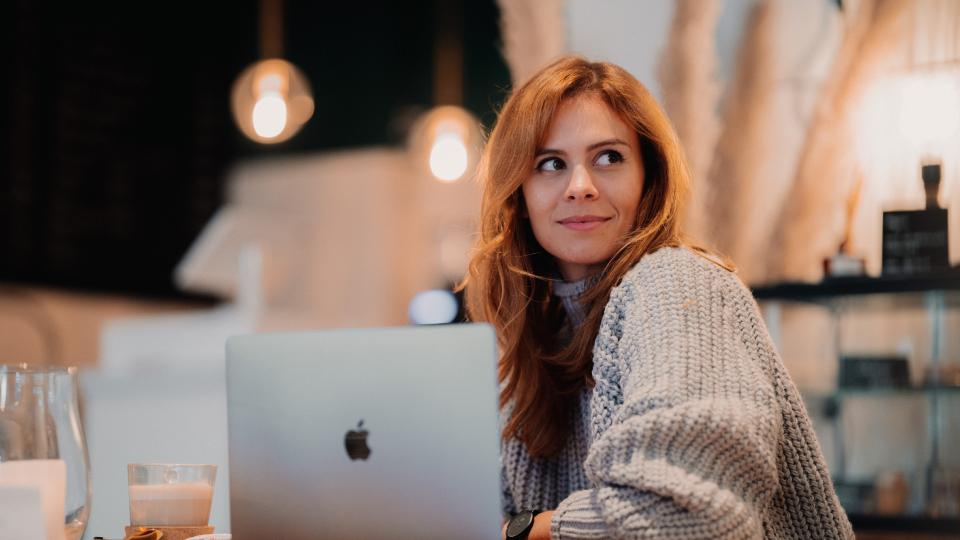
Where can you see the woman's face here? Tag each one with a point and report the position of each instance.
(582, 196)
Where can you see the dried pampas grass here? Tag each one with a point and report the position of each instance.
(534, 34)
(740, 212)
(687, 76)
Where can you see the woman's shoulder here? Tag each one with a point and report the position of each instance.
(674, 285)
(680, 269)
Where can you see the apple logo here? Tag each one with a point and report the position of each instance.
(356, 443)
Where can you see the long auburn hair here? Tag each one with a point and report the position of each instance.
(509, 278)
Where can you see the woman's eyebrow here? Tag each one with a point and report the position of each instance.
(543, 151)
(606, 142)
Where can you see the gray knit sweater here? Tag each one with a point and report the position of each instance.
(693, 429)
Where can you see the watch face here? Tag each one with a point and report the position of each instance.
(519, 524)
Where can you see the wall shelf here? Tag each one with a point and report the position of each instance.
(850, 288)
(933, 295)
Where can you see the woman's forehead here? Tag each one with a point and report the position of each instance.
(584, 120)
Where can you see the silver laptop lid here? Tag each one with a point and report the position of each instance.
(423, 464)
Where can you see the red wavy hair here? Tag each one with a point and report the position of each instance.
(509, 278)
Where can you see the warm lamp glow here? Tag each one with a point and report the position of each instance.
(446, 143)
(271, 100)
(269, 115)
(448, 157)
(903, 121)
(929, 108)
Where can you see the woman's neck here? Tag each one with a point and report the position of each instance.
(573, 272)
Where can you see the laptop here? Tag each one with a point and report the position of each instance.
(364, 433)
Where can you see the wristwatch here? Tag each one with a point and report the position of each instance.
(519, 525)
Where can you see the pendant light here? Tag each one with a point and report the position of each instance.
(446, 141)
(271, 99)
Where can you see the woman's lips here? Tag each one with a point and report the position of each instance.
(583, 223)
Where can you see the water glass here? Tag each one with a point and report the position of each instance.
(41, 436)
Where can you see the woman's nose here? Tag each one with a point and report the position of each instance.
(581, 185)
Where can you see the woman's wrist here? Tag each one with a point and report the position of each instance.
(541, 526)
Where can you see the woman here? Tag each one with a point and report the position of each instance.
(641, 395)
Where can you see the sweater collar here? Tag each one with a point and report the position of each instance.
(571, 292)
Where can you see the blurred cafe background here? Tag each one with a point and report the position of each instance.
(175, 173)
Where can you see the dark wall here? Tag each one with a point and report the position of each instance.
(115, 129)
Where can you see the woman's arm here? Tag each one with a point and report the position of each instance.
(691, 451)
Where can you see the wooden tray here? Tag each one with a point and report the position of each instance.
(169, 533)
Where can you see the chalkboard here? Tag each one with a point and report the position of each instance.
(873, 372)
(915, 242)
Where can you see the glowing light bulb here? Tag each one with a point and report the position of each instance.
(269, 115)
(444, 144)
(270, 101)
(448, 157)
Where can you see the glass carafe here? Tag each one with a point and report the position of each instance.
(40, 427)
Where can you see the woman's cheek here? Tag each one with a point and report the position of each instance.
(538, 204)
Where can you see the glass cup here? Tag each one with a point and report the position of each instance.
(41, 440)
(170, 494)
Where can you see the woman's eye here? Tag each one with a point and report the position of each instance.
(551, 164)
(609, 157)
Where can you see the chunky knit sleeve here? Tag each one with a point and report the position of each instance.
(687, 447)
